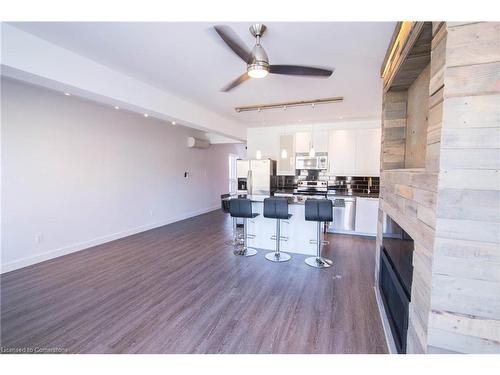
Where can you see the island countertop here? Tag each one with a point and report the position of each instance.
(296, 199)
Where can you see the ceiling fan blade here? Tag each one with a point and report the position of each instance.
(298, 70)
(236, 82)
(232, 40)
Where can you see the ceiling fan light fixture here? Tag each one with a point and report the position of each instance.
(257, 71)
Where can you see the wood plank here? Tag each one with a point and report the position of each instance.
(436, 98)
(467, 268)
(432, 157)
(473, 80)
(437, 81)
(481, 111)
(436, 27)
(436, 115)
(427, 215)
(466, 296)
(438, 33)
(394, 134)
(482, 205)
(475, 159)
(472, 230)
(424, 180)
(461, 343)
(481, 179)
(396, 123)
(465, 324)
(438, 56)
(425, 198)
(403, 191)
(479, 138)
(476, 43)
(467, 249)
(434, 134)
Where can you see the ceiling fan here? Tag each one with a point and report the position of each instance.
(257, 61)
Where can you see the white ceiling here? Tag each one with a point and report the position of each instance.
(190, 60)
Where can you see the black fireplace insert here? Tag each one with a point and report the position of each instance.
(395, 278)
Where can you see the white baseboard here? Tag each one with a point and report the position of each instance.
(391, 345)
(28, 261)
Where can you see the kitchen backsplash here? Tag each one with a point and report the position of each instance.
(341, 184)
(348, 184)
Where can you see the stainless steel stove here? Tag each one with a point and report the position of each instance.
(311, 187)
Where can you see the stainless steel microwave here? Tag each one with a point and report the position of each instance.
(307, 162)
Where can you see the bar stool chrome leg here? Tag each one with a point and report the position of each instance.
(318, 261)
(246, 251)
(237, 238)
(278, 256)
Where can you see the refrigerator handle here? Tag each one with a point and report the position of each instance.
(249, 182)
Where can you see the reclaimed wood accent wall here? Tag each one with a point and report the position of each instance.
(465, 294)
(451, 207)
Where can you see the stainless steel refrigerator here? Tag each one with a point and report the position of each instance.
(260, 176)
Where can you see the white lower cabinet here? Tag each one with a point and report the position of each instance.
(366, 216)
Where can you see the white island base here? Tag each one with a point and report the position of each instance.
(297, 230)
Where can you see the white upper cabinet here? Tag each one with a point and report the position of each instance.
(354, 152)
(302, 142)
(342, 152)
(368, 152)
(286, 166)
(320, 140)
(242, 167)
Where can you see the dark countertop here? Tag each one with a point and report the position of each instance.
(334, 193)
(361, 195)
(295, 199)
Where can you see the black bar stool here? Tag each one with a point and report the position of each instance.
(277, 208)
(242, 207)
(224, 202)
(319, 210)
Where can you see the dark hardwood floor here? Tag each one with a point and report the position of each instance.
(179, 289)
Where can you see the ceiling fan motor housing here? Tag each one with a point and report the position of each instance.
(258, 59)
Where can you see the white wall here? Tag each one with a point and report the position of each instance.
(76, 173)
(267, 139)
(29, 58)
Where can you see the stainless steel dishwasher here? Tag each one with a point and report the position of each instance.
(344, 214)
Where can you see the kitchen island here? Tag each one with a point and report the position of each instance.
(297, 230)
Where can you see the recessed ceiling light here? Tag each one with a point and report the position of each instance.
(116, 107)
(146, 115)
(67, 94)
(173, 122)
